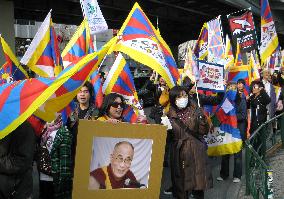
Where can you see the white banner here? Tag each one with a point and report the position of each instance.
(211, 76)
(92, 12)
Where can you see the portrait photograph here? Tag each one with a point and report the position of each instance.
(120, 163)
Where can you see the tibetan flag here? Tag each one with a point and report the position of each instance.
(43, 55)
(98, 92)
(190, 68)
(140, 40)
(275, 59)
(239, 58)
(226, 138)
(12, 69)
(253, 68)
(79, 45)
(240, 72)
(272, 61)
(120, 80)
(66, 112)
(216, 48)
(256, 59)
(229, 57)
(201, 48)
(44, 97)
(129, 115)
(269, 39)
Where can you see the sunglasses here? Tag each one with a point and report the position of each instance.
(116, 104)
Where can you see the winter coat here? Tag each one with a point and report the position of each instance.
(258, 106)
(241, 108)
(207, 99)
(191, 170)
(16, 157)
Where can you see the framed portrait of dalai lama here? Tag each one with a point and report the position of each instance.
(119, 163)
(118, 160)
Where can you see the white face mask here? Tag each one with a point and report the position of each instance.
(181, 102)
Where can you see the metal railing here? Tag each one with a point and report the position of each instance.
(259, 175)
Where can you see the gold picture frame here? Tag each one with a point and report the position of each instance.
(89, 129)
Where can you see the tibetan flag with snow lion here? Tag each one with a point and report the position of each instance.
(269, 39)
(226, 138)
(43, 55)
(12, 69)
(120, 80)
(44, 97)
(79, 45)
(142, 42)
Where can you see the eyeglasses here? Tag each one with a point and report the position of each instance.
(127, 161)
(116, 104)
(255, 87)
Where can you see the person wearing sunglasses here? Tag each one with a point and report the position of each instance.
(112, 109)
(117, 174)
(258, 101)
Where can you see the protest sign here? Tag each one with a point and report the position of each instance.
(93, 13)
(211, 76)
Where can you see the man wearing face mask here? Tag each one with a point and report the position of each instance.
(189, 166)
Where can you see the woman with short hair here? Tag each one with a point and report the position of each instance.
(189, 165)
(258, 101)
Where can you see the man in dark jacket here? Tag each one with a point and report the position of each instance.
(16, 157)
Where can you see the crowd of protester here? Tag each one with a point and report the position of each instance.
(53, 145)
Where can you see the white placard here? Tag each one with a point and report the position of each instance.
(92, 12)
(211, 76)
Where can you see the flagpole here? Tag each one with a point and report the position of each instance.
(102, 61)
(198, 101)
(157, 22)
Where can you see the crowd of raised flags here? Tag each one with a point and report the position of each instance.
(60, 76)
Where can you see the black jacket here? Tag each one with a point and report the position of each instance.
(206, 99)
(258, 109)
(155, 89)
(16, 157)
(241, 108)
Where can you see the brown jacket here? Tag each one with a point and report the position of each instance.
(191, 170)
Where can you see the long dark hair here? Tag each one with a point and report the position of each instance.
(174, 93)
(108, 100)
(91, 91)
